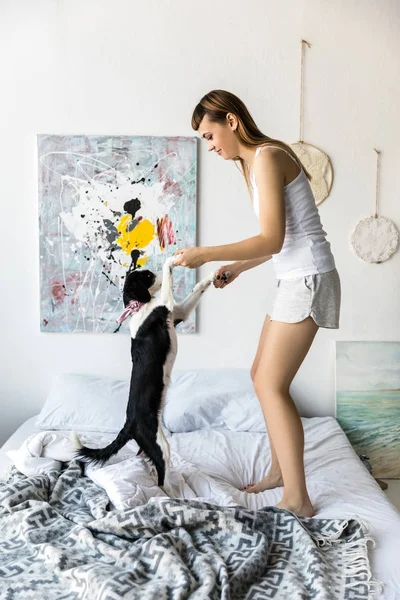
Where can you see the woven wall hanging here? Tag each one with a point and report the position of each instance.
(315, 160)
(375, 238)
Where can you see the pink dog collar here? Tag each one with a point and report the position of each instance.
(133, 307)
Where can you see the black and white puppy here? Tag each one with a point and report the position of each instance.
(153, 350)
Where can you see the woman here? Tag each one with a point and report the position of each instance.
(308, 285)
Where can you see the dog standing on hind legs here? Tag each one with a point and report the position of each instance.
(153, 352)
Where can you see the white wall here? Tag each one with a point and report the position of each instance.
(138, 68)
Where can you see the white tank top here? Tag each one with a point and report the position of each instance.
(305, 250)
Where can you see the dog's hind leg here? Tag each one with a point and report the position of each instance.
(153, 452)
(164, 445)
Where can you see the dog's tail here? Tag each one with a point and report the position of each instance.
(99, 456)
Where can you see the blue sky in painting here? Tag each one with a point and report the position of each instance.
(362, 366)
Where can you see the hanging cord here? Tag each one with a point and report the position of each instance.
(301, 87)
(377, 181)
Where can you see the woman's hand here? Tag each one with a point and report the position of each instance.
(190, 257)
(226, 274)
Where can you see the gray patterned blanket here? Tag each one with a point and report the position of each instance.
(59, 541)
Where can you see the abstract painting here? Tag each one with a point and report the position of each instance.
(368, 402)
(108, 204)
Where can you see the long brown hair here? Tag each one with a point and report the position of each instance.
(216, 105)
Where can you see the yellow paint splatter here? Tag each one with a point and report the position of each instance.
(139, 237)
(142, 261)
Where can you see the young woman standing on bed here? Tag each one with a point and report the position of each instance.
(308, 284)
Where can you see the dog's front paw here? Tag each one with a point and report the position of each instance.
(212, 276)
(209, 279)
(169, 262)
(206, 282)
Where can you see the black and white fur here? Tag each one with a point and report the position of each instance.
(153, 352)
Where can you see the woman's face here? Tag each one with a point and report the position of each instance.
(220, 138)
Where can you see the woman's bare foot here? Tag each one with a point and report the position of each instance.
(301, 509)
(272, 480)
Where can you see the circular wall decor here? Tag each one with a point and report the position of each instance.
(313, 159)
(375, 239)
(319, 166)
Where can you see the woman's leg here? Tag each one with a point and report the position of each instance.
(274, 477)
(283, 352)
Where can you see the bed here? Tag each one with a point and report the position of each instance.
(215, 451)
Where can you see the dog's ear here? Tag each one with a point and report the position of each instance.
(140, 292)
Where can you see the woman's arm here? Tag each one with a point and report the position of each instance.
(249, 249)
(245, 265)
(229, 272)
(269, 176)
(239, 266)
(270, 184)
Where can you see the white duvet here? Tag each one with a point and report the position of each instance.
(212, 464)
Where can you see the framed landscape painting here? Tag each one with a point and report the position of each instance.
(368, 402)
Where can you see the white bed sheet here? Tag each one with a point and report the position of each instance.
(338, 483)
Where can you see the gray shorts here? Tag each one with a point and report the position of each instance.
(317, 296)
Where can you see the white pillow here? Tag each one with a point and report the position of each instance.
(202, 398)
(244, 414)
(196, 399)
(85, 403)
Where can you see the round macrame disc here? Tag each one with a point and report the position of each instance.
(318, 165)
(375, 239)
